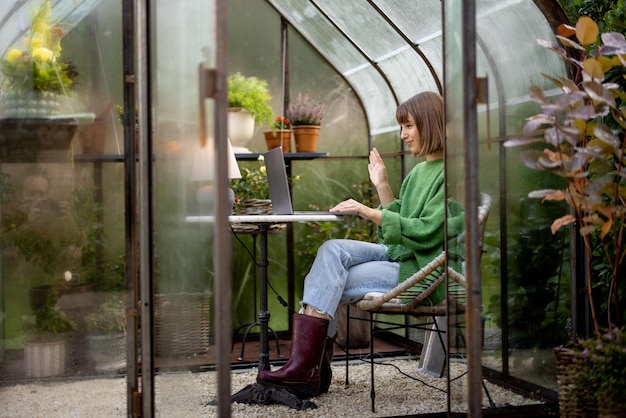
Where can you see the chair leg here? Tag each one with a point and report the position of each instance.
(245, 337)
(372, 390)
(347, 343)
(433, 358)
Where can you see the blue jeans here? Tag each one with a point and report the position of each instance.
(344, 271)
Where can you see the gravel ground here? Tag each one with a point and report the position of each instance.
(189, 395)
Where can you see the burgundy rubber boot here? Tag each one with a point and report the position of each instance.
(326, 372)
(301, 374)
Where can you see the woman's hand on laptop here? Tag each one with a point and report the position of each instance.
(366, 212)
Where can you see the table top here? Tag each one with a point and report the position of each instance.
(271, 219)
(288, 156)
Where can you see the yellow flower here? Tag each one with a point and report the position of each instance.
(263, 169)
(13, 55)
(43, 53)
(38, 66)
(41, 17)
(36, 42)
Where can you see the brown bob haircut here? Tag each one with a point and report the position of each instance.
(428, 113)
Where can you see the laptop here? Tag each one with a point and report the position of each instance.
(279, 187)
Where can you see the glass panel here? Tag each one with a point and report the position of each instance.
(352, 17)
(374, 95)
(183, 184)
(519, 336)
(455, 97)
(333, 45)
(410, 63)
(15, 16)
(419, 21)
(326, 39)
(62, 200)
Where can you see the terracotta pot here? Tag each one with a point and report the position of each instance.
(92, 138)
(306, 137)
(277, 138)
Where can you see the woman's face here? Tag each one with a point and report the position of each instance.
(410, 135)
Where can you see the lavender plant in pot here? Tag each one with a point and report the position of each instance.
(305, 115)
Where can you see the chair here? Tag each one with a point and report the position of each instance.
(405, 300)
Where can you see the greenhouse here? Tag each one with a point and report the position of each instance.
(147, 268)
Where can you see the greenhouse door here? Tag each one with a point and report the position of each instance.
(178, 91)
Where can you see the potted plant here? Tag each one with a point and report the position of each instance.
(45, 343)
(248, 99)
(106, 332)
(305, 115)
(252, 193)
(35, 76)
(279, 134)
(583, 141)
(602, 363)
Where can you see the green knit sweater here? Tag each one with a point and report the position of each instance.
(413, 225)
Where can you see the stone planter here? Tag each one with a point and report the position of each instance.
(44, 359)
(31, 104)
(240, 128)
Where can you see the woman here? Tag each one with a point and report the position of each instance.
(410, 232)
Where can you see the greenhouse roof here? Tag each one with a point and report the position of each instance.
(387, 50)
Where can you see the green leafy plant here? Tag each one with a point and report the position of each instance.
(252, 185)
(583, 131)
(609, 14)
(67, 243)
(86, 213)
(55, 251)
(305, 111)
(49, 324)
(251, 94)
(37, 66)
(603, 361)
(537, 297)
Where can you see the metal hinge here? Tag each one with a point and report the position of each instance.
(207, 80)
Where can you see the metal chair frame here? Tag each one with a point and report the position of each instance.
(405, 300)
